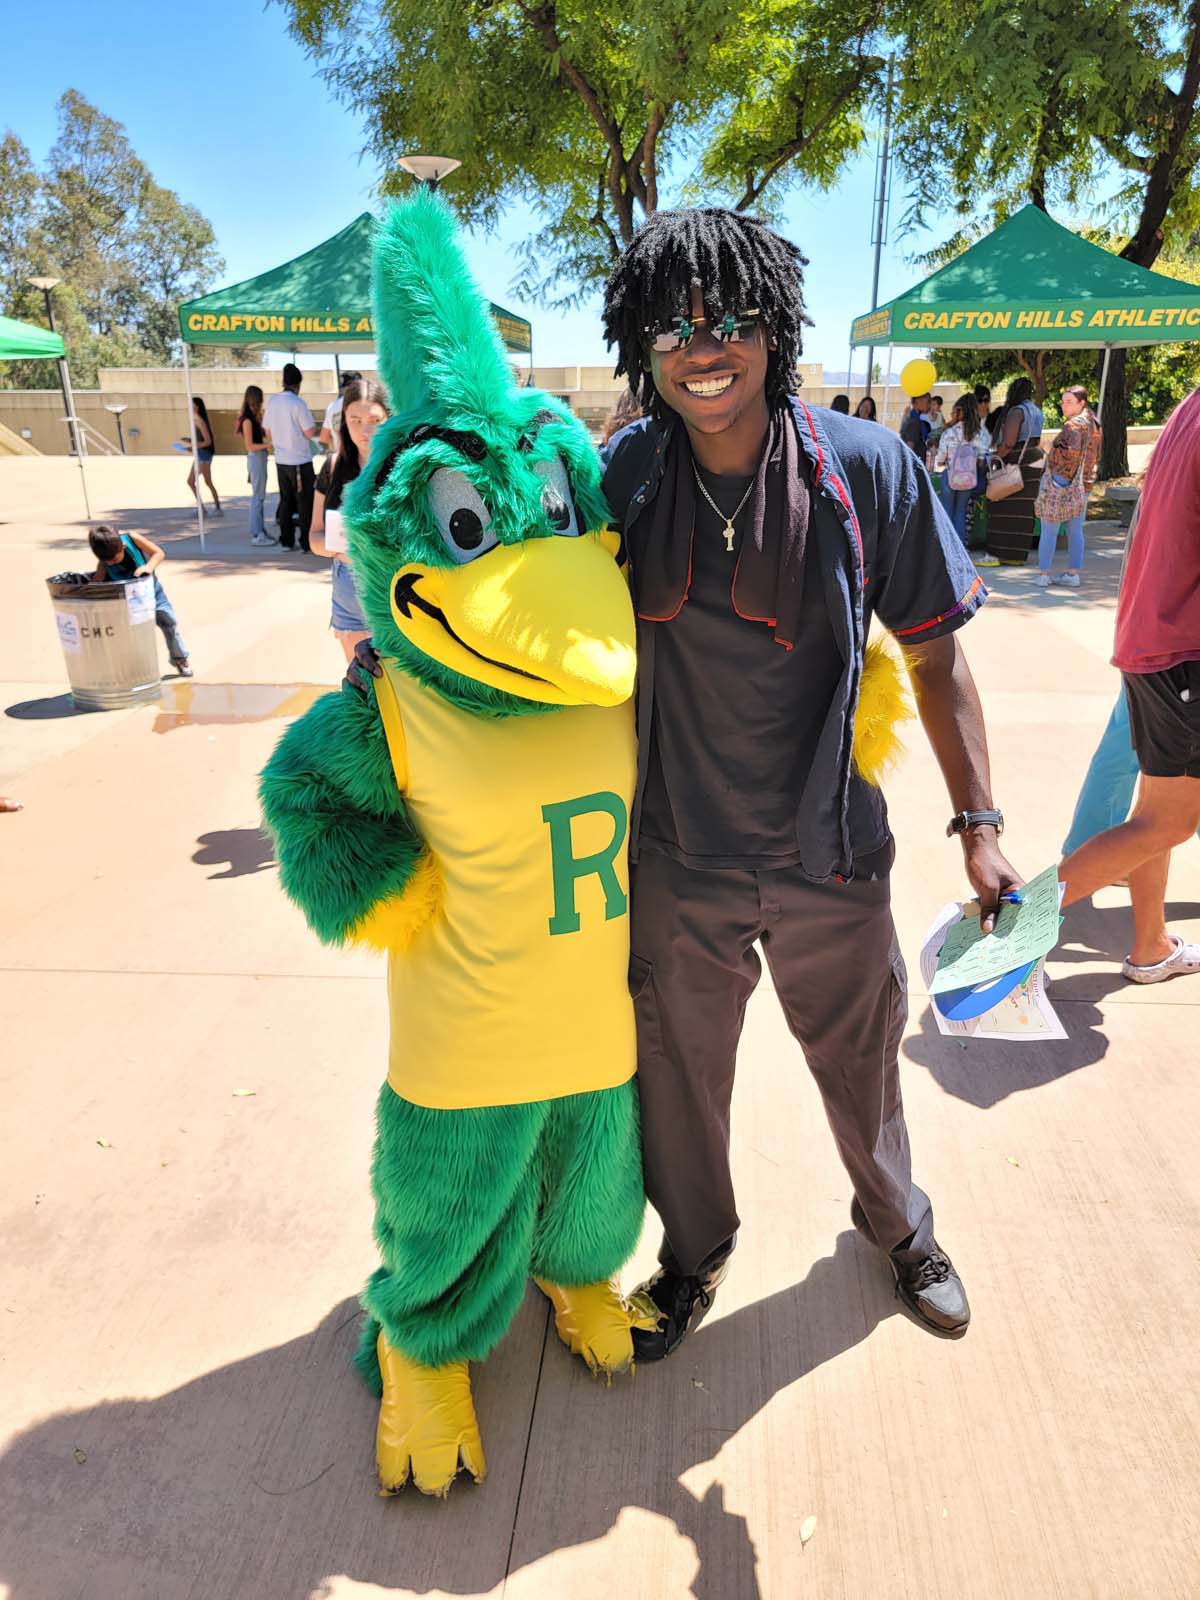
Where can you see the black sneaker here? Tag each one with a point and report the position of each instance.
(682, 1304)
(933, 1292)
(930, 1288)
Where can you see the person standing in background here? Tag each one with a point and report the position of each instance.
(866, 410)
(841, 402)
(1017, 440)
(960, 449)
(251, 432)
(1066, 483)
(914, 429)
(205, 450)
(328, 434)
(289, 427)
(364, 408)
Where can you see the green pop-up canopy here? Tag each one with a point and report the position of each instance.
(1034, 285)
(322, 298)
(24, 341)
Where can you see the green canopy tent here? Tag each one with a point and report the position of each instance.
(25, 341)
(1032, 284)
(321, 300)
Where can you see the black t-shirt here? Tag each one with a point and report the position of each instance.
(912, 431)
(330, 487)
(737, 718)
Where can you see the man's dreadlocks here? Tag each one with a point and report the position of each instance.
(739, 262)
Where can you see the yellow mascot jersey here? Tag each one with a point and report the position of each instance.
(517, 987)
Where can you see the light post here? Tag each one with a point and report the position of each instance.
(46, 285)
(429, 170)
(118, 409)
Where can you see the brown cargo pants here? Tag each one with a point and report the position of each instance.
(833, 957)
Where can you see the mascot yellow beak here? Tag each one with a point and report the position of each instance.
(549, 619)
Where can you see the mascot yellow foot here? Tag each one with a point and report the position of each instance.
(595, 1321)
(427, 1428)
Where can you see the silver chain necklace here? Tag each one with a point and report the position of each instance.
(727, 530)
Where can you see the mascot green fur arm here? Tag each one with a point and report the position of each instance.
(471, 818)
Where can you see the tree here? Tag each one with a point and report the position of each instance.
(126, 249)
(1028, 102)
(593, 112)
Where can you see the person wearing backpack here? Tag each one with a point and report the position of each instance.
(960, 450)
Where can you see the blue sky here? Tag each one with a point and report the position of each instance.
(225, 109)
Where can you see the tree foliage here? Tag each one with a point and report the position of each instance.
(1009, 101)
(598, 114)
(126, 249)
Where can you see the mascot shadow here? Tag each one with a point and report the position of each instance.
(240, 852)
(257, 1480)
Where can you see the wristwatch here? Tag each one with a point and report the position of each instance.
(974, 819)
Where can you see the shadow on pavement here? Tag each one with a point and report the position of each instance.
(257, 1480)
(242, 851)
(983, 1072)
(50, 708)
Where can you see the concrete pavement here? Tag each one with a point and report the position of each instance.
(188, 1088)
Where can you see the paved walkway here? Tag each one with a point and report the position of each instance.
(188, 1080)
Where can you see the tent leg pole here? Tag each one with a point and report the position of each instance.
(1104, 375)
(337, 371)
(187, 382)
(75, 431)
(887, 385)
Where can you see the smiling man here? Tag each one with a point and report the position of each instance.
(762, 537)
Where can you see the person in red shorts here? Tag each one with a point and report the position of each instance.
(1157, 650)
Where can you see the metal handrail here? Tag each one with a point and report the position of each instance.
(92, 436)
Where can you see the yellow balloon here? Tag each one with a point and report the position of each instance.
(918, 377)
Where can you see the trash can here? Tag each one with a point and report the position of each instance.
(109, 640)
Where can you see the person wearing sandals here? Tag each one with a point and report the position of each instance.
(251, 432)
(1065, 486)
(1157, 651)
(364, 407)
(1017, 441)
(205, 450)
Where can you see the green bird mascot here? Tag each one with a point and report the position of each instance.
(469, 815)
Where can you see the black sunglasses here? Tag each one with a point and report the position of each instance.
(680, 331)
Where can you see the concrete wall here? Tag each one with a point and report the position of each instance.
(157, 404)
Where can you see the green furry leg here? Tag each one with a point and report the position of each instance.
(593, 1200)
(470, 1204)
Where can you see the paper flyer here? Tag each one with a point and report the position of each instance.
(1023, 933)
(1025, 1014)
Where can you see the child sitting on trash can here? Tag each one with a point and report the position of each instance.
(132, 555)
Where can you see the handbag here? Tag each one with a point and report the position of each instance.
(1005, 477)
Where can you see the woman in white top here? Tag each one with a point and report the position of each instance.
(364, 407)
(960, 449)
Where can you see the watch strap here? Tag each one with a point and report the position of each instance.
(974, 819)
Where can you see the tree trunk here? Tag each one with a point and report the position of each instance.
(1114, 458)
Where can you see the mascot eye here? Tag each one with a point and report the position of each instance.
(463, 519)
(558, 506)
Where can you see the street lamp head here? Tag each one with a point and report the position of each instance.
(430, 169)
(117, 407)
(44, 284)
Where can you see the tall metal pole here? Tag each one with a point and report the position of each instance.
(64, 382)
(881, 200)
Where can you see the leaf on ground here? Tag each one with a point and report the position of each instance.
(696, 1384)
(807, 1528)
(80, 1455)
(104, 1144)
(242, 1094)
(1012, 1161)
